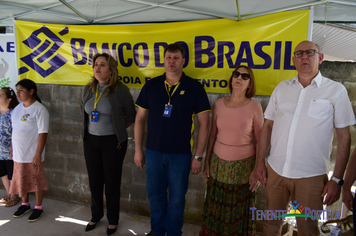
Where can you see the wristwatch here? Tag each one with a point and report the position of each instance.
(199, 158)
(339, 182)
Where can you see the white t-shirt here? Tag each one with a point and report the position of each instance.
(304, 122)
(27, 124)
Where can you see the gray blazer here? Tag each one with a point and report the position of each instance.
(122, 109)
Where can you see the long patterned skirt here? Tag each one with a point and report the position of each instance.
(228, 199)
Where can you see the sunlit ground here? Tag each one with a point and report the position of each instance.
(2, 222)
(75, 221)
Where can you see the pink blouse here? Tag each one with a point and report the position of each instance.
(237, 128)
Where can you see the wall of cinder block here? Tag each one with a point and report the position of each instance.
(65, 166)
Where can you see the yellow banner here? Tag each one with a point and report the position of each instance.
(62, 54)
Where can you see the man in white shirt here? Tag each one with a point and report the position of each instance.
(300, 120)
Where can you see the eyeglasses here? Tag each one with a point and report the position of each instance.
(244, 76)
(309, 53)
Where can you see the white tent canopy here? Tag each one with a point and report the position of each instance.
(148, 11)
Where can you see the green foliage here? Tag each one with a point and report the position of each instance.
(4, 82)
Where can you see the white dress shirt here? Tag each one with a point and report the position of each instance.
(304, 122)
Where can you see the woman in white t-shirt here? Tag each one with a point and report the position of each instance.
(30, 120)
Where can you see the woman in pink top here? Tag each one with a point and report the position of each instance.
(232, 148)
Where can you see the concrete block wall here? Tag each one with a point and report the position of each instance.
(65, 166)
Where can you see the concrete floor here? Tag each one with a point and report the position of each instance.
(62, 218)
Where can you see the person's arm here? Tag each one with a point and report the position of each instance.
(253, 182)
(264, 144)
(203, 132)
(211, 142)
(40, 146)
(139, 130)
(332, 189)
(128, 105)
(350, 178)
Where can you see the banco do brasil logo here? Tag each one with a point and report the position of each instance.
(44, 58)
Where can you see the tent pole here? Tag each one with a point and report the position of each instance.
(238, 10)
(184, 9)
(75, 10)
(133, 11)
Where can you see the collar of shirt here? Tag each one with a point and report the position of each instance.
(182, 79)
(317, 80)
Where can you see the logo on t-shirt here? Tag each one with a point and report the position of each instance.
(24, 117)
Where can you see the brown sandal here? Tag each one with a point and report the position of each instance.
(4, 200)
(12, 202)
(345, 225)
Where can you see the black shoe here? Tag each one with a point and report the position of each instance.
(110, 231)
(151, 234)
(22, 210)
(36, 214)
(90, 227)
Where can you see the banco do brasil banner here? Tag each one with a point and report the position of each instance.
(62, 54)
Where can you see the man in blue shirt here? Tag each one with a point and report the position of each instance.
(169, 103)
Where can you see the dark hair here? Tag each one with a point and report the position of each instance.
(28, 85)
(175, 47)
(250, 92)
(10, 93)
(113, 80)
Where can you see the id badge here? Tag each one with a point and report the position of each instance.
(94, 116)
(167, 110)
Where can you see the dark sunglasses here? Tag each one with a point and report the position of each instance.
(244, 76)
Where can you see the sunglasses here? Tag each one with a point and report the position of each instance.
(244, 76)
(309, 53)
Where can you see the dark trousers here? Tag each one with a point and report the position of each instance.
(104, 164)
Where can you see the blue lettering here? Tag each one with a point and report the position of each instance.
(253, 212)
(259, 52)
(231, 49)
(10, 46)
(105, 49)
(126, 79)
(307, 213)
(206, 83)
(277, 55)
(121, 55)
(92, 51)
(214, 82)
(145, 54)
(329, 215)
(337, 216)
(223, 83)
(287, 56)
(244, 47)
(313, 215)
(199, 51)
(147, 78)
(78, 50)
(156, 47)
(137, 80)
(284, 212)
(185, 46)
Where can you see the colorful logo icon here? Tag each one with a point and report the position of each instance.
(295, 209)
(24, 117)
(43, 52)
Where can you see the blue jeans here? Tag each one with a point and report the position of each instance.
(167, 170)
